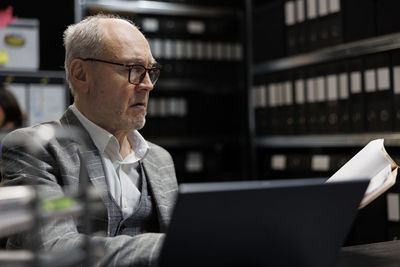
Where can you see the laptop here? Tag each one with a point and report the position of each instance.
(300, 222)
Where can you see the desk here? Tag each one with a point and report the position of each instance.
(384, 254)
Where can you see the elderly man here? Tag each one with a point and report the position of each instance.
(111, 71)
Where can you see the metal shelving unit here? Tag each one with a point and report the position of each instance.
(343, 51)
(153, 8)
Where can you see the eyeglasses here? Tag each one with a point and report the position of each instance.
(136, 72)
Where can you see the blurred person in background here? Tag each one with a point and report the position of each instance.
(11, 116)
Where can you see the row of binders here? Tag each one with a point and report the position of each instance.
(354, 95)
(300, 26)
(195, 50)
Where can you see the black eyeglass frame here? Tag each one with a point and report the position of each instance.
(130, 67)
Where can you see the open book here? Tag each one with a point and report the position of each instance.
(374, 163)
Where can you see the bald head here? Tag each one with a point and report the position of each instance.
(91, 36)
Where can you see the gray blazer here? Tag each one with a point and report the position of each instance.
(30, 158)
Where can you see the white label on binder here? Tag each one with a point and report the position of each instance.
(182, 107)
(194, 162)
(322, 7)
(393, 207)
(218, 51)
(255, 96)
(157, 48)
(195, 27)
(344, 87)
(383, 78)
(189, 49)
(311, 9)
(179, 49)
(321, 89)
(168, 49)
(271, 94)
(334, 6)
(311, 96)
(278, 162)
(299, 91)
(279, 94)
(355, 82)
(289, 13)
(300, 10)
(238, 52)
(209, 50)
(150, 25)
(370, 82)
(151, 109)
(288, 93)
(263, 96)
(199, 50)
(332, 87)
(396, 79)
(320, 163)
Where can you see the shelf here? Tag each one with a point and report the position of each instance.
(201, 141)
(34, 74)
(336, 140)
(353, 49)
(157, 8)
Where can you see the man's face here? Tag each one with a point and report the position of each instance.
(116, 104)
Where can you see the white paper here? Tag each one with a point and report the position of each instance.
(364, 164)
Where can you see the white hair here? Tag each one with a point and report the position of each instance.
(84, 40)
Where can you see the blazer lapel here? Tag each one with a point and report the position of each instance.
(90, 153)
(160, 194)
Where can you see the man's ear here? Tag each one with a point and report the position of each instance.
(78, 74)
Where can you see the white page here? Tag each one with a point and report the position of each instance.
(365, 164)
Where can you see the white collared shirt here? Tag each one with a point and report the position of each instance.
(122, 175)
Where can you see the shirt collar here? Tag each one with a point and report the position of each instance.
(101, 137)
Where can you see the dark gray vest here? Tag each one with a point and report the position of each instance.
(144, 218)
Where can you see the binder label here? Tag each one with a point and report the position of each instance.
(383, 78)
(289, 13)
(396, 79)
(355, 81)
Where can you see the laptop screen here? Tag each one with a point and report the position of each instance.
(301, 222)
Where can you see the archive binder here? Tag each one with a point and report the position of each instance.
(356, 95)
